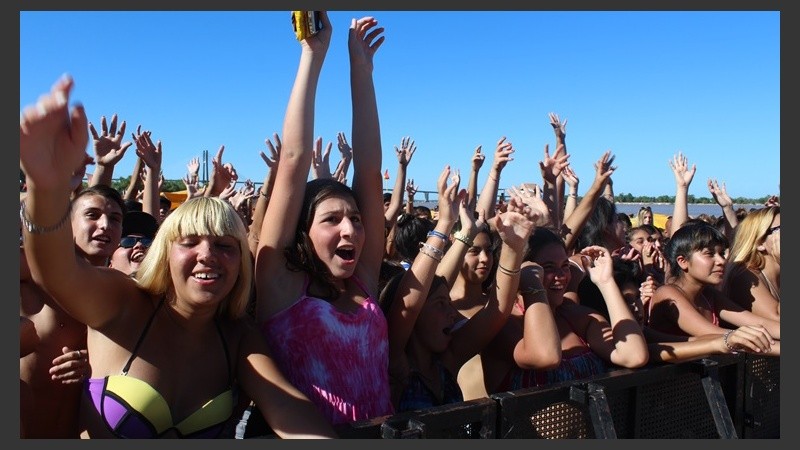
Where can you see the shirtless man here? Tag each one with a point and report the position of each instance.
(53, 359)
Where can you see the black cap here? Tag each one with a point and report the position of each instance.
(138, 222)
(133, 205)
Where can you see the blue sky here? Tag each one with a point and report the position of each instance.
(644, 85)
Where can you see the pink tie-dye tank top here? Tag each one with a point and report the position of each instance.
(340, 361)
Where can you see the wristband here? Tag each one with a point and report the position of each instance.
(460, 236)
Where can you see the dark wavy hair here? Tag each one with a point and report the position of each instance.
(603, 215)
(409, 232)
(540, 238)
(301, 256)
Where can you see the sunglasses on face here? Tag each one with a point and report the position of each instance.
(130, 241)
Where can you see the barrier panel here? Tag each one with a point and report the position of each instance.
(721, 397)
(762, 397)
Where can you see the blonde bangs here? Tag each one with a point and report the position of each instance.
(199, 216)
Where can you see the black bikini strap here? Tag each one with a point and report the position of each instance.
(227, 355)
(141, 338)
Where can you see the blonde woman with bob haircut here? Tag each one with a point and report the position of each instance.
(170, 347)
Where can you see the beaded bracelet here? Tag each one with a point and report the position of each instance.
(507, 271)
(431, 251)
(442, 236)
(459, 236)
(725, 341)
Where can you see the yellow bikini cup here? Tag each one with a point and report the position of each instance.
(151, 405)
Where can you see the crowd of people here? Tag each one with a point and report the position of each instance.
(310, 304)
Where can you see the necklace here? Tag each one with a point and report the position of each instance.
(775, 293)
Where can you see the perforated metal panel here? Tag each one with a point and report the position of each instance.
(562, 420)
(675, 409)
(762, 397)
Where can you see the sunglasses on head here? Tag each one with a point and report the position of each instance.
(130, 241)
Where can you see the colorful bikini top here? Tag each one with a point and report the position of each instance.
(131, 408)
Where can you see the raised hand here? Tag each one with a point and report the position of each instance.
(551, 167)
(53, 138)
(191, 184)
(516, 223)
(193, 169)
(406, 150)
(502, 155)
(246, 192)
(477, 159)
(274, 151)
(108, 146)
(320, 162)
(411, 188)
(559, 127)
(150, 153)
(531, 195)
(340, 174)
(363, 42)
(228, 192)
(570, 177)
(449, 195)
(344, 148)
(719, 193)
(604, 167)
(773, 200)
(597, 261)
(680, 167)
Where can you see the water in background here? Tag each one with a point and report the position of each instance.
(695, 209)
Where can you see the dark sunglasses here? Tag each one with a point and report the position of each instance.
(130, 241)
(773, 229)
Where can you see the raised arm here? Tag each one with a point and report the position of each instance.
(514, 227)
(292, 173)
(683, 178)
(620, 339)
(320, 163)
(572, 180)
(346, 157)
(364, 40)
(222, 175)
(108, 150)
(53, 139)
(254, 231)
(404, 154)
(540, 346)
(551, 168)
(472, 185)
(573, 224)
(560, 131)
(151, 155)
(414, 288)
(488, 198)
(720, 195)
